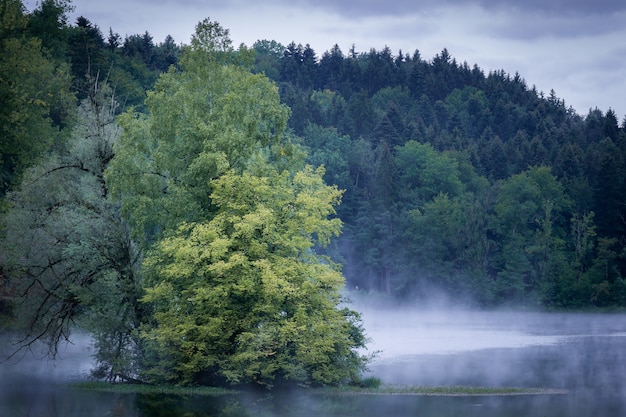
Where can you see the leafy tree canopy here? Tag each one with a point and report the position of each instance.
(35, 98)
(214, 190)
(243, 297)
(66, 251)
(207, 118)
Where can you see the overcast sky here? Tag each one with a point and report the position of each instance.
(576, 47)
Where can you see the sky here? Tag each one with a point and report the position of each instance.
(575, 47)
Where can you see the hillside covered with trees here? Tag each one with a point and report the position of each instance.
(460, 181)
(200, 208)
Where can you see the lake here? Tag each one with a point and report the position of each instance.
(583, 355)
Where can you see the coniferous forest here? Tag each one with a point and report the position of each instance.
(199, 207)
(461, 181)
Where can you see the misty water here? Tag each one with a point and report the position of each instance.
(583, 356)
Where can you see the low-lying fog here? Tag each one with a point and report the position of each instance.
(399, 334)
(570, 351)
(584, 354)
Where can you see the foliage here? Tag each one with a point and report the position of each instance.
(67, 253)
(215, 192)
(454, 179)
(244, 298)
(34, 96)
(204, 120)
(462, 180)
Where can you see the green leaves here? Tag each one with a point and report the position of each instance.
(203, 121)
(524, 199)
(427, 172)
(216, 194)
(251, 272)
(530, 208)
(32, 91)
(67, 249)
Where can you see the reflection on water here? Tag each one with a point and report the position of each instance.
(583, 354)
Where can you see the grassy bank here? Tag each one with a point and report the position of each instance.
(441, 391)
(382, 390)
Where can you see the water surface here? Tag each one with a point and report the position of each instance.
(583, 354)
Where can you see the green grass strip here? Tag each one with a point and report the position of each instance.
(345, 390)
(440, 390)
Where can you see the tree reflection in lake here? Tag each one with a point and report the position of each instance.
(583, 354)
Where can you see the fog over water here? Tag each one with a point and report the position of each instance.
(403, 335)
(583, 355)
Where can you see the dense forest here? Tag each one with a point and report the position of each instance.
(459, 181)
(135, 174)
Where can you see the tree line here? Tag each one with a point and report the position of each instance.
(458, 180)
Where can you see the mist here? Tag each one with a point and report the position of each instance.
(581, 355)
(578, 359)
(32, 384)
(73, 362)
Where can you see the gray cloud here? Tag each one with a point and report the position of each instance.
(528, 20)
(534, 26)
(575, 47)
(558, 7)
(359, 8)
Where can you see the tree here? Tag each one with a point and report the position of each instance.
(211, 117)
(217, 195)
(166, 54)
(608, 188)
(267, 58)
(448, 242)
(330, 149)
(384, 187)
(424, 173)
(142, 47)
(531, 210)
(86, 53)
(434, 239)
(386, 132)
(611, 128)
(48, 22)
(243, 297)
(67, 252)
(362, 114)
(34, 97)
(575, 289)
(113, 40)
(330, 68)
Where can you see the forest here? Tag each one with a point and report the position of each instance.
(458, 181)
(250, 186)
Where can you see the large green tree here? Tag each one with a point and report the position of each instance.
(531, 210)
(210, 117)
(243, 296)
(215, 192)
(66, 251)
